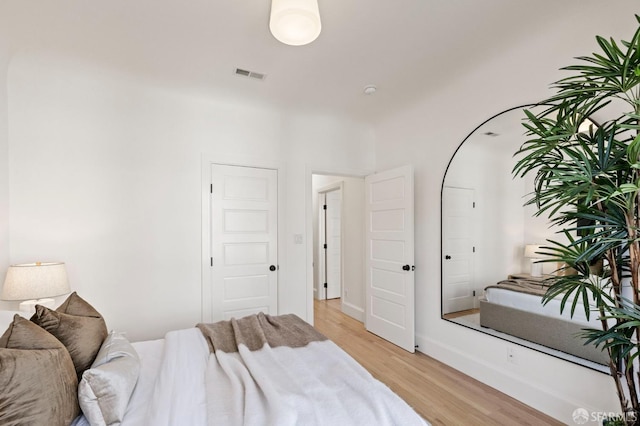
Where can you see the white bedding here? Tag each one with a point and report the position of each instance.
(318, 384)
(533, 303)
(182, 383)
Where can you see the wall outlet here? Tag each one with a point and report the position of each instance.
(512, 356)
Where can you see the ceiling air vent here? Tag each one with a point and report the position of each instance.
(250, 74)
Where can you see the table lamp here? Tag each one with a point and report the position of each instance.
(35, 284)
(531, 252)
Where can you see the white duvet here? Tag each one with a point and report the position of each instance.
(318, 384)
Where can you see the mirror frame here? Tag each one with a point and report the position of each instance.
(502, 336)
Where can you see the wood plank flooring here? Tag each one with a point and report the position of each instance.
(438, 393)
(459, 314)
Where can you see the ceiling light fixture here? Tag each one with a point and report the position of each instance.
(370, 89)
(295, 22)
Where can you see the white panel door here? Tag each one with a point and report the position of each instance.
(333, 217)
(458, 249)
(389, 256)
(244, 210)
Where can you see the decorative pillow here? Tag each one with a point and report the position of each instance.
(105, 389)
(37, 377)
(78, 326)
(6, 318)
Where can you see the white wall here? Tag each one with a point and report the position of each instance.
(4, 170)
(106, 175)
(353, 240)
(426, 134)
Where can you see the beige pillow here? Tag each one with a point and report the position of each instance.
(78, 326)
(105, 389)
(37, 379)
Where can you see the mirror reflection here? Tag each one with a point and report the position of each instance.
(491, 278)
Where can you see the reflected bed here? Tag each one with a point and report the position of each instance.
(515, 307)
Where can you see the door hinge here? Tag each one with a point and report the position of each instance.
(211, 188)
(325, 246)
(474, 204)
(212, 261)
(324, 207)
(325, 285)
(474, 249)
(474, 293)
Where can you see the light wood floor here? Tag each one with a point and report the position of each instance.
(438, 393)
(459, 314)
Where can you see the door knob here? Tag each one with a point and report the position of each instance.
(406, 268)
(272, 268)
(447, 257)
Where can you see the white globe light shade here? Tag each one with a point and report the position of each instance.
(295, 22)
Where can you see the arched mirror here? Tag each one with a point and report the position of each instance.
(489, 242)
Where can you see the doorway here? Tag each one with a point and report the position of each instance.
(345, 254)
(380, 292)
(330, 242)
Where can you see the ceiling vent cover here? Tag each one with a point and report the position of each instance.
(250, 74)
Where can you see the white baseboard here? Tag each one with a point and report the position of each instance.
(353, 311)
(543, 399)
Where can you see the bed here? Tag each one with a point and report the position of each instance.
(255, 370)
(515, 307)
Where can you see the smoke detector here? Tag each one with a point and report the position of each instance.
(370, 89)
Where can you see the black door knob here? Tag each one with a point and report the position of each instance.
(272, 268)
(447, 257)
(406, 268)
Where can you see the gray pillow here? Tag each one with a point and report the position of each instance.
(37, 377)
(78, 326)
(105, 388)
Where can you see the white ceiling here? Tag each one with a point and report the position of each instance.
(405, 47)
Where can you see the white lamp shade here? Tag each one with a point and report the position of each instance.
(35, 281)
(531, 251)
(586, 126)
(295, 22)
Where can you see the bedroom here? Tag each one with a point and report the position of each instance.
(106, 116)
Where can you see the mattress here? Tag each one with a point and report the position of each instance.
(533, 303)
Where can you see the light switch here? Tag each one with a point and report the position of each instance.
(297, 238)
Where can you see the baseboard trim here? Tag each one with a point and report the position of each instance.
(543, 399)
(353, 311)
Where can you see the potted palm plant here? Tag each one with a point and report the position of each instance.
(587, 179)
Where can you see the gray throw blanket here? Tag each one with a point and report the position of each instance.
(257, 330)
(538, 288)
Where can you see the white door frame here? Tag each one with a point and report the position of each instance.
(205, 280)
(336, 186)
(309, 212)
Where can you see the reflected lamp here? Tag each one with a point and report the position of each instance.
(531, 251)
